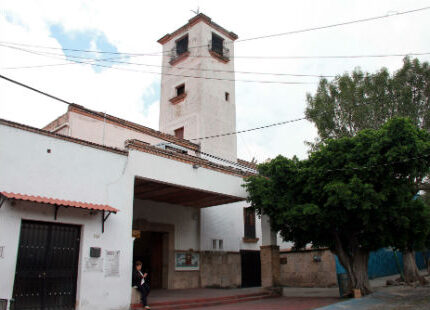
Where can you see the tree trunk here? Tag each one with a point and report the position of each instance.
(356, 264)
(359, 276)
(410, 269)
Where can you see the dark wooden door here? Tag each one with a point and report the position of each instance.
(251, 268)
(157, 260)
(47, 266)
(149, 250)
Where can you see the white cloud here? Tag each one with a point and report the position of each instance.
(134, 26)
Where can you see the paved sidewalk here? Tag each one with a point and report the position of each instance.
(396, 298)
(198, 293)
(280, 303)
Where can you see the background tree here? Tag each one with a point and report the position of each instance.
(351, 103)
(347, 195)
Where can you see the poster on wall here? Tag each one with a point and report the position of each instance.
(187, 261)
(112, 264)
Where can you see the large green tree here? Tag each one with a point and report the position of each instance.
(357, 101)
(353, 102)
(348, 195)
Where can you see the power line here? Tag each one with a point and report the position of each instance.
(94, 60)
(171, 74)
(250, 129)
(202, 138)
(267, 57)
(227, 134)
(246, 39)
(335, 25)
(157, 66)
(35, 90)
(70, 103)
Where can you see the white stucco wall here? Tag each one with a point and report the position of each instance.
(165, 170)
(226, 222)
(106, 133)
(74, 172)
(77, 172)
(204, 112)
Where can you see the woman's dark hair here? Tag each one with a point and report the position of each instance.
(138, 263)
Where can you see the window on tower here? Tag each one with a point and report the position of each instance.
(217, 44)
(227, 96)
(180, 51)
(217, 48)
(179, 133)
(180, 90)
(182, 45)
(180, 94)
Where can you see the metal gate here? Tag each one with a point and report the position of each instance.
(47, 266)
(251, 268)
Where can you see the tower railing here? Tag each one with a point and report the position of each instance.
(176, 53)
(219, 50)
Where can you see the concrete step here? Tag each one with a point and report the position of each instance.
(205, 302)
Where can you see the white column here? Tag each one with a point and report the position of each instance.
(268, 237)
(269, 254)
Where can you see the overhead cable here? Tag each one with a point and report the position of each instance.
(257, 37)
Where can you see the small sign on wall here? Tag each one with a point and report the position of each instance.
(112, 263)
(187, 261)
(93, 264)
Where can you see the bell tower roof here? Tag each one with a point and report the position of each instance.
(196, 19)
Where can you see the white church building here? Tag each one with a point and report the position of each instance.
(90, 193)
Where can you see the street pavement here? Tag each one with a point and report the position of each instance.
(279, 303)
(387, 298)
(393, 298)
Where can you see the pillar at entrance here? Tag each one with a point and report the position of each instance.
(269, 254)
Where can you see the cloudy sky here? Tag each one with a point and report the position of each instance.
(44, 28)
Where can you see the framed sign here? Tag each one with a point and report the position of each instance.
(187, 261)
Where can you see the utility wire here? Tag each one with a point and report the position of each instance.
(35, 90)
(251, 38)
(267, 57)
(226, 134)
(335, 25)
(171, 74)
(202, 138)
(111, 60)
(70, 103)
(250, 129)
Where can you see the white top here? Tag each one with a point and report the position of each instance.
(143, 279)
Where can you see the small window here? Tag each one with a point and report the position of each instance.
(182, 45)
(217, 244)
(179, 133)
(217, 44)
(249, 221)
(180, 90)
(227, 96)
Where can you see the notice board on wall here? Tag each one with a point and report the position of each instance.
(111, 266)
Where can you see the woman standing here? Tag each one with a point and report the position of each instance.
(140, 281)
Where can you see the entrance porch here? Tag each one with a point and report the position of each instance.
(166, 231)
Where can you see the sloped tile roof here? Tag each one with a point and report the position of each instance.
(59, 202)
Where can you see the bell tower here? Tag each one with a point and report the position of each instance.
(197, 85)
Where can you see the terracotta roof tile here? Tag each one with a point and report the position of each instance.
(59, 202)
(198, 18)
